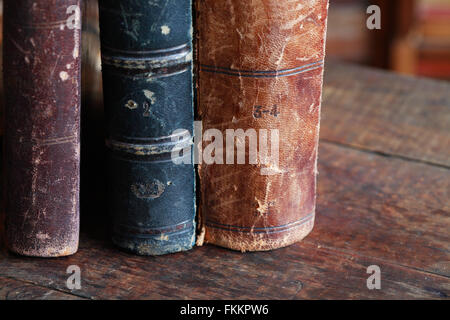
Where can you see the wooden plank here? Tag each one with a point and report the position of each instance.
(11, 289)
(301, 271)
(387, 113)
(372, 210)
(385, 208)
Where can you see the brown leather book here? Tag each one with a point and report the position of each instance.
(260, 69)
(42, 132)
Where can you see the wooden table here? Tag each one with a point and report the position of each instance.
(383, 199)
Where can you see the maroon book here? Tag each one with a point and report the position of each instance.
(42, 131)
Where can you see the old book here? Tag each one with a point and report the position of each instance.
(147, 80)
(260, 70)
(42, 136)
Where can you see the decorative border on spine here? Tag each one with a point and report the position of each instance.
(127, 231)
(274, 229)
(262, 73)
(150, 64)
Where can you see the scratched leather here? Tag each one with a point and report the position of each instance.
(42, 129)
(147, 80)
(261, 53)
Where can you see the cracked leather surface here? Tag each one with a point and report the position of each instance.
(255, 57)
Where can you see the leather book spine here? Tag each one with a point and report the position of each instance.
(147, 79)
(42, 131)
(260, 68)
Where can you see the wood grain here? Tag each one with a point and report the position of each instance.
(382, 200)
(301, 271)
(385, 208)
(387, 113)
(12, 289)
(364, 217)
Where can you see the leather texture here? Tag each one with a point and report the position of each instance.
(261, 66)
(147, 78)
(42, 129)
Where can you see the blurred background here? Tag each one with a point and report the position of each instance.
(414, 37)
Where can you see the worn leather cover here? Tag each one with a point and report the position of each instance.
(147, 78)
(261, 67)
(42, 136)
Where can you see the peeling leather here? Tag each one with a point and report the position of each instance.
(42, 132)
(261, 53)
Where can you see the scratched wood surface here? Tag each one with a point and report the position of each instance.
(11, 289)
(383, 199)
(383, 112)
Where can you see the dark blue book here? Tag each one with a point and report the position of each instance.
(147, 79)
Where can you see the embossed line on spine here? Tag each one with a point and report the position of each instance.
(152, 63)
(152, 148)
(262, 73)
(60, 24)
(134, 232)
(274, 229)
(46, 142)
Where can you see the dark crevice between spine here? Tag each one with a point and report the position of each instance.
(195, 71)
